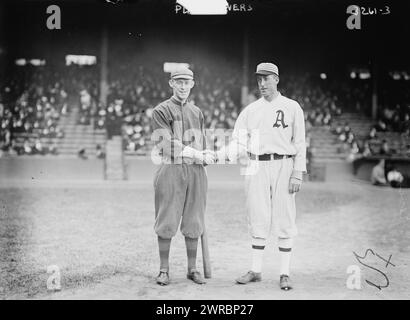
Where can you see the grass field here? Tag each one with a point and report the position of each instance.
(101, 237)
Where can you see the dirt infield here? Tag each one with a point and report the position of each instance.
(101, 238)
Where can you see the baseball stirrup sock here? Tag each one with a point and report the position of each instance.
(285, 253)
(258, 246)
(164, 247)
(191, 250)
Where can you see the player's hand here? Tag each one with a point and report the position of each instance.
(208, 156)
(294, 184)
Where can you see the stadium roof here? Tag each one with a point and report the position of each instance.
(304, 29)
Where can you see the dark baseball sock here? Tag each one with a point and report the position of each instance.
(164, 247)
(191, 250)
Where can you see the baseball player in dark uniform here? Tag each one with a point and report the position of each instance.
(271, 131)
(180, 182)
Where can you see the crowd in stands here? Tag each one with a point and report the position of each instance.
(324, 101)
(133, 91)
(319, 103)
(388, 136)
(395, 119)
(31, 103)
(33, 100)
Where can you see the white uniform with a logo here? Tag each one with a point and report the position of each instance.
(265, 128)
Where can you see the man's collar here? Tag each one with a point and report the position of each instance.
(275, 99)
(178, 102)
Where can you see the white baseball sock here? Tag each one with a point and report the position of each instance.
(285, 253)
(258, 248)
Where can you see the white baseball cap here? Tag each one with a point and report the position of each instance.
(267, 68)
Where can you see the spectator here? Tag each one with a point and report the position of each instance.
(53, 149)
(38, 147)
(388, 114)
(100, 154)
(346, 128)
(367, 150)
(354, 152)
(381, 126)
(378, 177)
(385, 148)
(27, 147)
(373, 133)
(82, 154)
(405, 124)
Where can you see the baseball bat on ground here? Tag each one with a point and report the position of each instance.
(205, 255)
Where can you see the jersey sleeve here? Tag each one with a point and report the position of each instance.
(238, 144)
(299, 140)
(169, 146)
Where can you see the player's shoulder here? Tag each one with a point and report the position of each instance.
(291, 102)
(164, 109)
(253, 105)
(163, 105)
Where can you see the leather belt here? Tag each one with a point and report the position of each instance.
(269, 156)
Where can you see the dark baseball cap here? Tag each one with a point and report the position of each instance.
(182, 73)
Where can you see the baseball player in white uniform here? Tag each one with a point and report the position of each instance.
(271, 131)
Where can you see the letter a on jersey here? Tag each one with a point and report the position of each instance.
(280, 120)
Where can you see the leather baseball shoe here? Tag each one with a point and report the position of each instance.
(285, 283)
(196, 277)
(249, 277)
(163, 278)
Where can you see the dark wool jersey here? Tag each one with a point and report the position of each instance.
(176, 125)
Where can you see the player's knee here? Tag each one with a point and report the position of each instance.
(166, 231)
(259, 232)
(285, 242)
(194, 230)
(287, 233)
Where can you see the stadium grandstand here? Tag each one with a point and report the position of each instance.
(71, 94)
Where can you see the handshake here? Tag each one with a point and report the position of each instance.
(209, 157)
